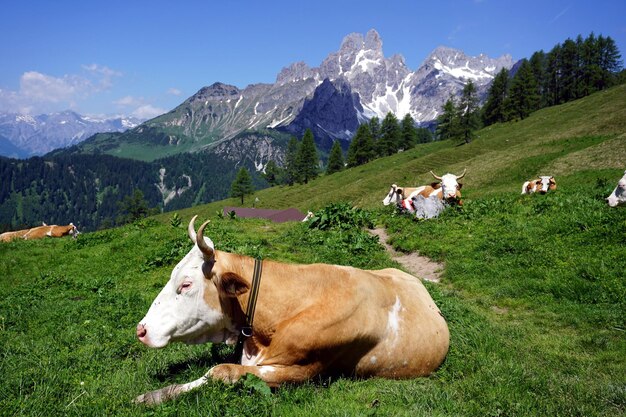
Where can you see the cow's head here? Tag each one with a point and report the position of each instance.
(450, 187)
(188, 308)
(618, 196)
(393, 196)
(545, 183)
(73, 231)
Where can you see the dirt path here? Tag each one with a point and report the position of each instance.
(420, 266)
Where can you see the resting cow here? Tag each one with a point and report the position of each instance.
(541, 185)
(396, 194)
(309, 319)
(40, 232)
(51, 231)
(618, 196)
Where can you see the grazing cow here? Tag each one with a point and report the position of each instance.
(618, 196)
(309, 320)
(51, 231)
(541, 185)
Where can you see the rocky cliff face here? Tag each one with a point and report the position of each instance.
(351, 85)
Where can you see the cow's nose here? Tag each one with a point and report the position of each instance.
(141, 330)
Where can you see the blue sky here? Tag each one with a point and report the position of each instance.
(145, 57)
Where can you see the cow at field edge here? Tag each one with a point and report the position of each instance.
(309, 319)
(541, 185)
(618, 196)
(51, 231)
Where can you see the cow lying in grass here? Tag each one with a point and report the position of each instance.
(309, 319)
(541, 185)
(446, 188)
(618, 196)
(41, 232)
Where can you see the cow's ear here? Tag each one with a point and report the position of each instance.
(233, 285)
(435, 185)
(460, 185)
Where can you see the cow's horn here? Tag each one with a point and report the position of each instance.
(204, 247)
(191, 230)
(462, 175)
(436, 176)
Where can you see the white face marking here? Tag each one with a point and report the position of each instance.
(180, 311)
(618, 196)
(373, 360)
(391, 196)
(544, 183)
(449, 185)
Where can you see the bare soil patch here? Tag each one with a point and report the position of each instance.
(416, 264)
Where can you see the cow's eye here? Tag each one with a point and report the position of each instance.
(185, 286)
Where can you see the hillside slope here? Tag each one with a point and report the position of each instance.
(562, 141)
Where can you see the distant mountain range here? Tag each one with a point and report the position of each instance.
(22, 136)
(350, 86)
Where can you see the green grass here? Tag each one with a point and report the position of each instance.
(534, 288)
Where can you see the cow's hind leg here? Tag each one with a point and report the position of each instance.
(273, 375)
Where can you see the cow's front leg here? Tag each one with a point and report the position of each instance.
(169, 392)
(273, 375)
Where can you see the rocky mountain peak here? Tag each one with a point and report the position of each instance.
(294, 72)
(216, 92)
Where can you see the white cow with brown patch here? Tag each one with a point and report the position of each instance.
(309, 319)
(446, 188)
(541, 185)
(41, 232)
(618, 196)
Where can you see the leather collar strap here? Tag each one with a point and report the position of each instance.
(247, 329)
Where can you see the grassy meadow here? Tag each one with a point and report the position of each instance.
(534, 287)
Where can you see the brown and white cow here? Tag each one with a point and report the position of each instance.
(40, 232)
(541, 185)
(448, 188)
(309, 320)
(397, 193)
(9, 236)
(618, 196)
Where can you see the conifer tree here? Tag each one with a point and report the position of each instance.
(523, 94)
(424, 135)
(307, 159)
(335, 159)
(408, 132)
(468, 112)
(390, 136)
(494, 110)
(272, 173)
(242, 185)
(361, 148)
(291, 167)
(374, 127)
(447, 121)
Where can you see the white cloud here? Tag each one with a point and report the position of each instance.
(41, 93)
(174, 91)
(147, 111)
(129, 101)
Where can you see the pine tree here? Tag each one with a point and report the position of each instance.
(335, 159)
(494, 110)
(390, 136)
(374, 127)
(133, 207)
(408, 132)
(291, 160)
(552, 82)
(424, 135)
(610, 61)
(273, 173)
(361, 148)
(523, 93)
(469, 119)
(538, 67)
(242, 185)
(307, 158)
(447, 121)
